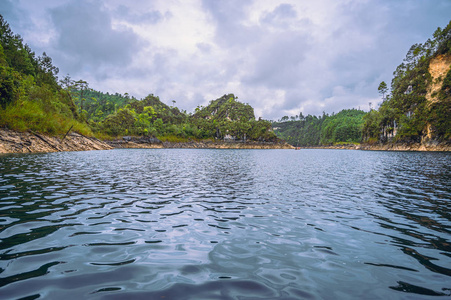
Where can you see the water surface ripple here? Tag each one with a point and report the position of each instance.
(225, 224)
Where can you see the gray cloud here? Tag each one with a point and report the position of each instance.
(282, 57)
(17, 18)
(279, 61)
(86, 39)
(281, 15)
(147, 17)
(228, 18)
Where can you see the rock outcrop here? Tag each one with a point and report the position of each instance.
(438, 68)
(31, 142)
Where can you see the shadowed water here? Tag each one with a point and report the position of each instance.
(225, 224)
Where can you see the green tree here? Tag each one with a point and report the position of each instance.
(82, 87)
(382, 89)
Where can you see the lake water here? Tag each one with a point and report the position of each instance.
(225, 224)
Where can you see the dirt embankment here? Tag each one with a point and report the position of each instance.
(29, 142)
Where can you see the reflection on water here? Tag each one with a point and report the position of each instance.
(225, 224)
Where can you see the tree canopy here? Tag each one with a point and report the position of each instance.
(343, 127)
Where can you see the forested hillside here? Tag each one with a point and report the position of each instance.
(418, 108)
(230, 119)
(30, 96)
(343, 127)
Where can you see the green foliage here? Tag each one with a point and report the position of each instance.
(439, 119)
(224, 117)
(227, 118)
(120, 123)
(226, 108)
(30, 97)
(406, 115)
(36, 116)
(344, 127)
(371, 123)
(445, 91)
(98, 105)
(9, 85)
(383, 89)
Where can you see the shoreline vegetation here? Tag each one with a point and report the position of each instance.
(39, 113)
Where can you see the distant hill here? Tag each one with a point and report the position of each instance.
(343, 127)
(226, 118)
(226, 108)
(147, 117)
(418, 109)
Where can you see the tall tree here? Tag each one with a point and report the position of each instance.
(382, 89)
(82, 87)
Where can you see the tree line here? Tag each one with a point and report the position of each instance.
(343, 127)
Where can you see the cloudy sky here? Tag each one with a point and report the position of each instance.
(282, 57)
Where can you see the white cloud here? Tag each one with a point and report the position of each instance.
(282, 57)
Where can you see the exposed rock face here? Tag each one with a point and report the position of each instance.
(28, 142)
(438, 68)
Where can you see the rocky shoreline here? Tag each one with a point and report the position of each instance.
(418, 147)
(32, 142)
(153, 143)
